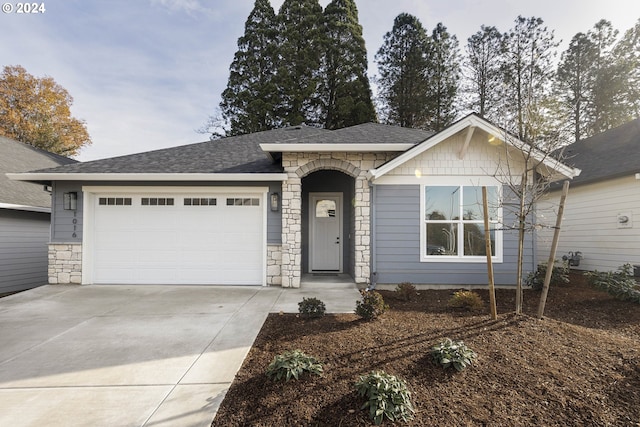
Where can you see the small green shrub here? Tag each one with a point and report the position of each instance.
(468, 300)
(292, 364)
(559, 276)
(387, 397)
(621, 284)
(406, 291)
(371, 306)
(311, 307)
(453, 353)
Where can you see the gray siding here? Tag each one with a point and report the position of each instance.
(23, 249)
(396, 231)
(63, 221)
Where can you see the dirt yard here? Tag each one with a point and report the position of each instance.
(579, 366)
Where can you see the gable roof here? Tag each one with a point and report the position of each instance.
(16, 157)
(611, 154)
(470, 123)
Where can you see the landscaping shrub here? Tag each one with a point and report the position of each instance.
(311, 307)
(406, 291)
(387, 397)
(621, 284)
(559, 276)
(468, 300)
(453, 353)
(292, 364)
(371, 306)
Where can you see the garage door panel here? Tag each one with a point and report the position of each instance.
(182, 244)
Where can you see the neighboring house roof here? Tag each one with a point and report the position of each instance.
(611, 154)
(469, 124)
(16, 157)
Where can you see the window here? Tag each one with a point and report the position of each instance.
(454, 223)
(157, 201)
(243, 202)
(114, 201)
(200, 201)
(325, 209)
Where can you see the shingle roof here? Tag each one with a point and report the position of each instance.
(240, 154)
(611, 154)
(18, 157)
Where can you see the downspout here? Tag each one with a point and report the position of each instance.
(373, 280)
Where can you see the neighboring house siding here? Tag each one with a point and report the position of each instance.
(397, 246)
(63, 220)
(590, 224)
(23, 249)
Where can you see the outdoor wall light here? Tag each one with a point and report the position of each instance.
(70, 201)
(275, 201)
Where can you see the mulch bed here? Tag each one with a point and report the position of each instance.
(579, 366)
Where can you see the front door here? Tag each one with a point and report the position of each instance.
(325, 240)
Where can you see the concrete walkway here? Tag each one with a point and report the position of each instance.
(133, 355)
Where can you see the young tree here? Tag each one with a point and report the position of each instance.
(576, 83)
(36, 111)
(402, 67)
(443, 75)
(483, 74)
(301, 42)
(528, 73)
(345, 92)
(249, 101)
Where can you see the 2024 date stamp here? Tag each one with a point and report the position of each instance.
(24, 8)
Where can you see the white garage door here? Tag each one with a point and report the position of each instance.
(173, 238)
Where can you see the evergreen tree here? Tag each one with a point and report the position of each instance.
(249, 101)
(403, 67)
(606, 102)
(483, 71)
(301, 42)
(627, 50)
(528, 73)
(443, 74)
(576, 83)
(346, 92)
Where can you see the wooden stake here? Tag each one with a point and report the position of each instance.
(487, 245)
(552, 254)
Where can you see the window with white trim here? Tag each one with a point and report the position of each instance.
(453, 223)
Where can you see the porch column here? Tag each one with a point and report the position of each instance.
(291, 231)
(362, 236)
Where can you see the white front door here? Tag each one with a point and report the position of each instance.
(325, 240)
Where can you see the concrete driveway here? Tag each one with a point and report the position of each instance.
(133, 355)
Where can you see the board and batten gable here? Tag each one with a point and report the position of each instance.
(398, 215)
(592, 224)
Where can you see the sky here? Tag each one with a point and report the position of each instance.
(146, 74)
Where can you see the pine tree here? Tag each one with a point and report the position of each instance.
(249, 101)
(528, 73)
(627, 50)
(443, 74)
(483, 71)
(402, 67)
(576, 83)
(301, 42)
(606, 100)
(346, 92)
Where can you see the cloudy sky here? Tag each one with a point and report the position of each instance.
(145, 74)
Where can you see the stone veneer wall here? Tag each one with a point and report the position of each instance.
(274, 260)
(65, 263)
(299, 165)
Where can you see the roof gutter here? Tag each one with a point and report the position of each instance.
(24, 208)
(154, 177)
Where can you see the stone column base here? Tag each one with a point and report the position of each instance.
(65, 263)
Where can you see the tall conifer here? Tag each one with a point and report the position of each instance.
(249, 101)
(346, 92)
